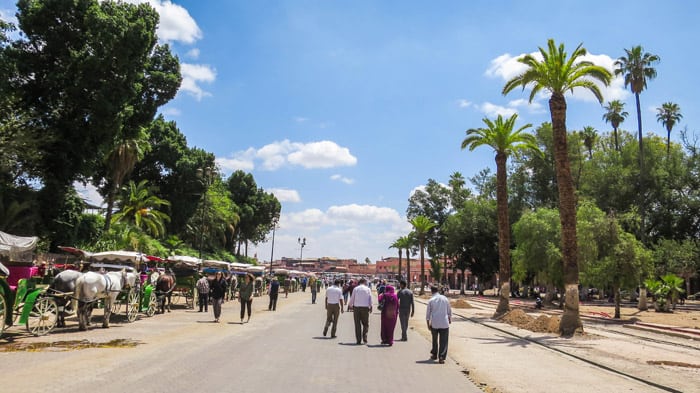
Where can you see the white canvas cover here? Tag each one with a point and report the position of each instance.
(118, 256)
(17, 248)
(185, 260)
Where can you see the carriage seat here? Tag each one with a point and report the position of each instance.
(19, 272)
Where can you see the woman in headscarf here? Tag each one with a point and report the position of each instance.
(390, 312)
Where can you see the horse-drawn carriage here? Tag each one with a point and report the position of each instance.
(186, 270)
(22, 301)
(122, 284)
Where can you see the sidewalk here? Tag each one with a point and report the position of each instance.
(507, 359)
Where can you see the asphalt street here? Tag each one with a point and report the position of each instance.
(184, 351)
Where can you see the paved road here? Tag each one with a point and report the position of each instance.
(277, 351)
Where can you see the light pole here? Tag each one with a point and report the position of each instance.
(302, 243)
(275, 220)
(204, 175)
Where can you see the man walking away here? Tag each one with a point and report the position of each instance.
(439, 317)
(361, 304)
(334, 306)
(273, 292)
(314, 289)
(406, 308)
(203, 291)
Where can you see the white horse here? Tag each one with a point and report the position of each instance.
(92, 286)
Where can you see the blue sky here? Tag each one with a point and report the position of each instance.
(343, 108)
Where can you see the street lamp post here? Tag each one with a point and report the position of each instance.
(204, 175)
(302, 243)
(272, 252)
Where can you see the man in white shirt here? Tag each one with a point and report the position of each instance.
(334, 306)
(439, 317)
(361, 304)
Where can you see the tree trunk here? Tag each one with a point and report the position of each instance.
(617, 145)
(422, 270)
(639, 129)
(110, 207)
(503, 234)
(462, 284)
(408, 269)
(400, 254)
(570, 320)
(616, 290)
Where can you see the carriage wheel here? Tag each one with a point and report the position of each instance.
(132, 305)
(152, 305)
(42, 319)
(3, 305)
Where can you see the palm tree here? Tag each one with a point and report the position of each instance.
(589, 135)
(421, 227)
(138, 206)
(559, 74)
(637, 68)
(404, 242)
(396, 244)
(501, 136)
(120, 162)
(669, 114)
(615, 114)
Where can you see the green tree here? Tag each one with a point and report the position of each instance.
(558, 73)
(615, 114)
(637, 67)
(86, 70)
(458, 193)
(435, 270)
(139, 207)
(505, 140)
(668, 114)
(421, 228)
(120, 162)
(589, 136)
(472, 239)
(402, 243)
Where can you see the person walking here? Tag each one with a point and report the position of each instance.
(334, 307)
(203, 292)
(361, 304)
(217, 290)
(439, 316)
(245, 296)
(314, 289)
(390, 311)
(406, 308)
(273, 292)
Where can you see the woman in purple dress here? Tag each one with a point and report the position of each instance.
(390, 312)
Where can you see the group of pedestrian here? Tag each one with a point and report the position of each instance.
(395, 306)
(216, 289)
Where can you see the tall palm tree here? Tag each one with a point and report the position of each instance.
(558, 73)
(421, 227)
(120, 162)
(396, 245)
(669, 114)
(403, 243)
(505, 141)
(637, 68)
(615, 114)
(589, 136)
(139, 207)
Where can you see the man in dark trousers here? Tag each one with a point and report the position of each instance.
(273, 292)
(439, 317)
(406, 308)
(361, 304)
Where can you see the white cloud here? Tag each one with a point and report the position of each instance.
(234, 164)
(300, 119)
(276, 155)
(464, 103)
(493, 110)
(176, 23)
(340, 231)
(285, 195)
(171, 111)
(193, 75)
(193, 53)
(323, 154)
(342, 179)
